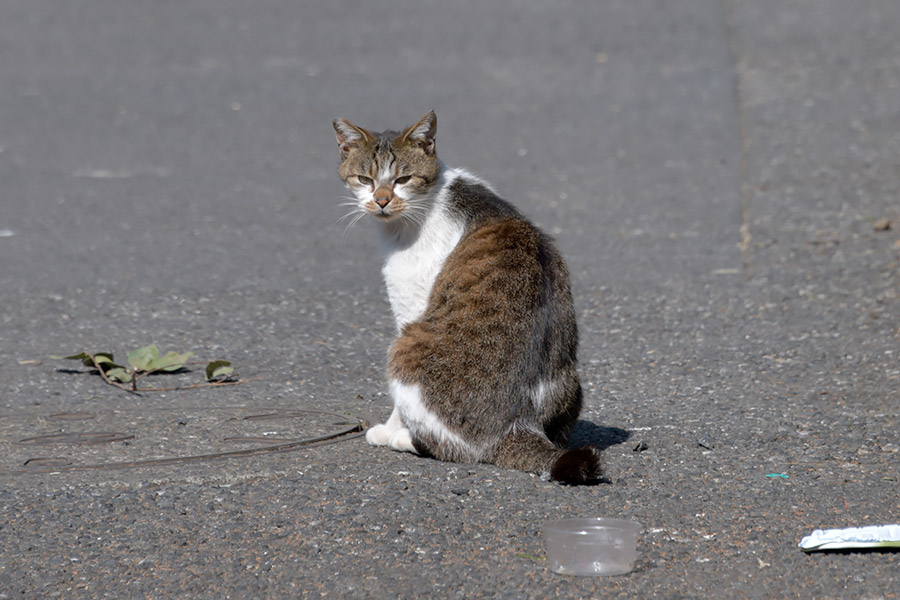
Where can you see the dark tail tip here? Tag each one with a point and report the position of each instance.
(580, 466)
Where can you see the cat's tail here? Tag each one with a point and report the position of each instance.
(530, 451)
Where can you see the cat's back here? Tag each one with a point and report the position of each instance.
(493, 226)
(503, 265)
(502, 298)
(476, 203)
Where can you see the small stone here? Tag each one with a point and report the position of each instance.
(882, 225)
(705, 442)
(641, 446)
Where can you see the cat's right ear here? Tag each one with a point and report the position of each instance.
(348, 135)
(422, 133)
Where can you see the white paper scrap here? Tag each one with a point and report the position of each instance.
(876, 536)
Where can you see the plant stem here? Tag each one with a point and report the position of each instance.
(200, 385)
(108, 380)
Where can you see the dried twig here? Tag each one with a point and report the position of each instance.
(200, 385)
(354, 429)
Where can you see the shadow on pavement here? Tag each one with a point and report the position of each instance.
(587, 433)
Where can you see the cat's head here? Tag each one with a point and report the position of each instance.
(389, 173)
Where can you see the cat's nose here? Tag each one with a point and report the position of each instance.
(382, 197)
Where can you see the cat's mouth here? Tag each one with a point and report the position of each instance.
(383, 215)
(386, 211)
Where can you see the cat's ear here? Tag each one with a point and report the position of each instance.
(422, 133)
(349, 135)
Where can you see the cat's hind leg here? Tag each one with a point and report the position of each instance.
(560, 412)
(527, 449)
(392, 434)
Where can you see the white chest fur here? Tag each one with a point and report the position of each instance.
(413, 258)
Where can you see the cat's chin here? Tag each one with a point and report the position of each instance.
(385, 217)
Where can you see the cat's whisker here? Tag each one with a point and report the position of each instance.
(416, 214)
(351, 203)
(354, 217)
(350, 214)
(413, 208)
(417, 219)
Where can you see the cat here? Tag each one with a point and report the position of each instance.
(483, 368)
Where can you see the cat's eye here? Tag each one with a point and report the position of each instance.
(402, 180)
(364, 180)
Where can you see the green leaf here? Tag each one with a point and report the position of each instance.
(219, 369)
(119, 374)
(101, 358)
(82, 356)
(141, 358)
(72, 357)
(172, 361)
(104, 359)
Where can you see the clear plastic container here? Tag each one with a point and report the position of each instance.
(591, 546)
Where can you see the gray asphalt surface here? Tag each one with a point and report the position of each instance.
(713, 171)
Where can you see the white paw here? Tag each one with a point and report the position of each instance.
(402, 440)
(379, 435)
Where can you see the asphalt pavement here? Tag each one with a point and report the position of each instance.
(721, 176)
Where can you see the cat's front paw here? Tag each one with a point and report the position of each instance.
(396, 439)
(402, 440)
(379, 435)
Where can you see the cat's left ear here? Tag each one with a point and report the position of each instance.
(349, 135)
(423, 132)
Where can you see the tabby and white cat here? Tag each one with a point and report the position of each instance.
(483, 368)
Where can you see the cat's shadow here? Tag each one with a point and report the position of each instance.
(589, 434)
